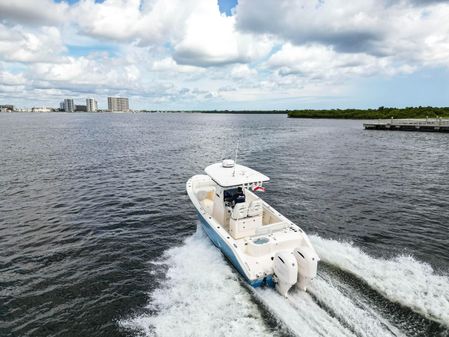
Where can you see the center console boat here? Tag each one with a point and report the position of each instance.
(263, 245)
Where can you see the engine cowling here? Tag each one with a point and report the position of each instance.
(286, 271)
(307, 260)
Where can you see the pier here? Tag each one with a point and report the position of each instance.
(425, 125)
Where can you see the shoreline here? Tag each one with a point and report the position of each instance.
(372, 114)
(345, 114)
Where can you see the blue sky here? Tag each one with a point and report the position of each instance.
(226, 6)
(201, 54)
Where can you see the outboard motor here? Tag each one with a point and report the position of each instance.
(307, 265)
(285, 272)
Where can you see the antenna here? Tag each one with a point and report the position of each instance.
(235, 159)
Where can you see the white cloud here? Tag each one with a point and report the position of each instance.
(413, 35)
(420, 35)
(103, 72)
(22, 45)
(169, 65)
(320, 62)
(10, 79)
(149, 22)
(111, 19)
(242, 71)
(210, 38)
(199, 34)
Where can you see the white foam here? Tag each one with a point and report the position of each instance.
(304, 317)
(301, 314)
(359, 316)
(201, 296)
(403, 279)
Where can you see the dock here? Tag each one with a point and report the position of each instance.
(425, 125)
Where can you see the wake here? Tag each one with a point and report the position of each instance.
(202, 295)
(402, 280)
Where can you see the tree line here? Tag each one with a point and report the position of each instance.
(379, 113)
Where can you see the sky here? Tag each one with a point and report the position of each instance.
(226, 54)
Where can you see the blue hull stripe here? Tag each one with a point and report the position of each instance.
(227, 251)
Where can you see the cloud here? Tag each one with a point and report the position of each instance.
(34, 12)
(10, 79)
(424, 2)
(22, 45)
(148, 22)
(242, 71)
(196, 30)
(179, 51)
(420, 36)
(318, 62)
(348, 26)
(210, 39)
(169, 65)
(378, 28)
(94, 71)
(111, 19)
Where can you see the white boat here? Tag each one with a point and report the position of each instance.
(264, 246)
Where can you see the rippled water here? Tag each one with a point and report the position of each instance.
(98, 237)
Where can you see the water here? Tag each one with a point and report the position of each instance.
(98, 237)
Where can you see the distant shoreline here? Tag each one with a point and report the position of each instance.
(380, 113)
(355, 114)
(249, 112)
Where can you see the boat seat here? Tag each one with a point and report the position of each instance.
(239, 211)
(208, 205)
(255, 208)
(205, 193)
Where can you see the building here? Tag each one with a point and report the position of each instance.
(118, 104)
(69, 106)
(80, 108)
(91, 105)
(41, 109)
(6, 108)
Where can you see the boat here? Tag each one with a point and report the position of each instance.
(265, 247)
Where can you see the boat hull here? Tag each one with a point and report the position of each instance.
(227, 251)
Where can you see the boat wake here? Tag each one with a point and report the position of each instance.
(201, 296)
(354, 294)
(402, 280)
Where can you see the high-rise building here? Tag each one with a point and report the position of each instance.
(69, 106)
(91, 105)
(118, 104)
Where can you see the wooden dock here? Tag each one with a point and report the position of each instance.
(426, 125)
